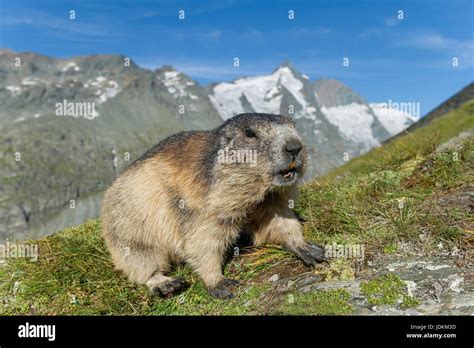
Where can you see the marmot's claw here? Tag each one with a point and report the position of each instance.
(317, 251)
(223, 288)
(170, 288)
(310, 254)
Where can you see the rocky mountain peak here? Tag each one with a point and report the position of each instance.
(166, 67)
(135, 108)
(335, 93)
(287, 68)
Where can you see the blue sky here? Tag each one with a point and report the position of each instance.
(407, 60)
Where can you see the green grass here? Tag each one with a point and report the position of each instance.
(389, 195)
(388, 289)
(383, 198)
(74, 275)
(326, 302)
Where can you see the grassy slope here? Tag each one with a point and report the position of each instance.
(382, 199)
(388, 194)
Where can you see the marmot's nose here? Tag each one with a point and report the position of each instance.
(293, 147)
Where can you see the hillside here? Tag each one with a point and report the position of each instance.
(131, 110)
(456, 101)
(409, 203)
(76, 157)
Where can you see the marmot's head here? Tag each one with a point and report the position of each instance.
(264, 146)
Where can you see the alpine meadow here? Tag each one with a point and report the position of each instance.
(297, 160)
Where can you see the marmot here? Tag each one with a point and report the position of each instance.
(187, 198)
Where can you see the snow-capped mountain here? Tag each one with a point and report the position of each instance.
(286, 91)
(365, 123)
(262, 94)
(393, 119)
(350, 113)
(355, 122)
(64, 158)
(333, 119)
(191, 98)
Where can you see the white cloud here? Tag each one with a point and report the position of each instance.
(252, 35)
(58, 25)
(213, 34)
(305, 31)
(439, 42)
(463, 49)
(391, 21)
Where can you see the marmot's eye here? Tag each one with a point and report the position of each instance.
(250, 133)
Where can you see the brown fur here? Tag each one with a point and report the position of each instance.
(177, 204)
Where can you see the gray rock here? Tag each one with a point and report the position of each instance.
(437, 283)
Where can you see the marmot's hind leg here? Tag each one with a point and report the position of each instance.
(164, 286)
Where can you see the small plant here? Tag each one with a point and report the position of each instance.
(388, 289)
(339, 269)
(391, 248)
(451, 233)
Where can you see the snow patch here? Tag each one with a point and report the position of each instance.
(170, 75)
(69, 66)
(105, 89)
(176, 84)
(262, 92)
(354, 121)
(309, 113)
(110, 91)
(394, 120)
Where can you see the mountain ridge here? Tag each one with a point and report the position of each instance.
(134, 108)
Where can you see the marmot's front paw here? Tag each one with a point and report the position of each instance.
(310, 253)
(170, 288)
(223, 288)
